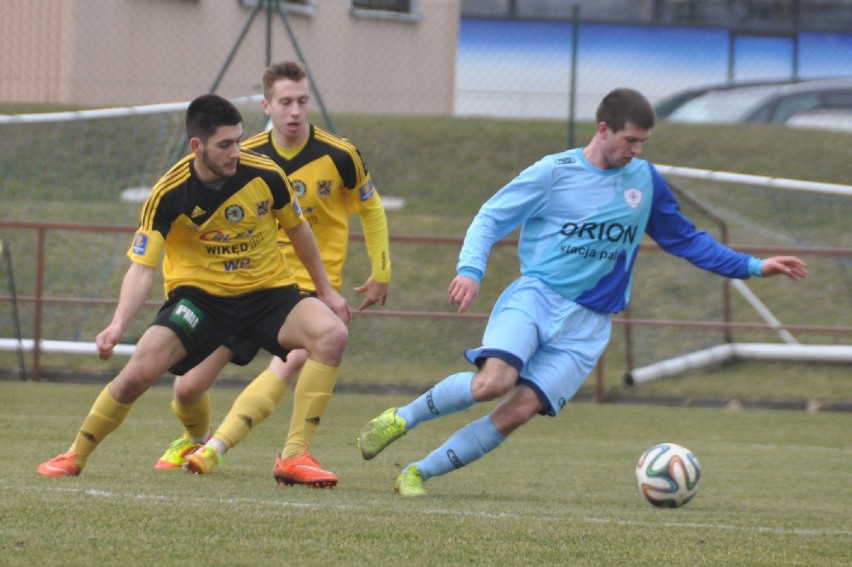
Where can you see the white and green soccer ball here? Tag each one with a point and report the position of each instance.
(668, 475)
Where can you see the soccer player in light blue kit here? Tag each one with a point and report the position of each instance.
(582, 215)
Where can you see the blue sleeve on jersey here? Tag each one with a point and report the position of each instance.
(505, 211)
(679, 237)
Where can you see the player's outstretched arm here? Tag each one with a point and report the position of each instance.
(134, 291)
(463, 291)
(789, 266)
(377, 292)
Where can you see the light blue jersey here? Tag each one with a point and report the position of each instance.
(581, 227)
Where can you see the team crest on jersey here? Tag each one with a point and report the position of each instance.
(324, 187)
(234, 213)
(633, 197)
(299, 187)
(566, 160)
(262, 208)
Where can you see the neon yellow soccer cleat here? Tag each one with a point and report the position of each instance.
(410, 483)
(175, 455)
(203, 461)
(380, 432)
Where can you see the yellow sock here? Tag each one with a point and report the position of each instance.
(311, 397)
(104, 417)
(194, 417)
(252, 406)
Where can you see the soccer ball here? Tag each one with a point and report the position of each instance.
(668, 475)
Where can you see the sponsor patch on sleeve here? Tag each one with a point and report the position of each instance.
(140, 244)
(366, 191)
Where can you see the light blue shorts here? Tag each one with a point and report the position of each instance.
(552, 341)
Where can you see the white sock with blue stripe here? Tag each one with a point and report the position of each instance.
(450, 395)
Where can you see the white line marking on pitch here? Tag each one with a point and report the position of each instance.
(439, 512)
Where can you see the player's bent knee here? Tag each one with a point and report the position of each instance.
(186, 392)
(493, 381)
(327, 346)
(486, 388)
(130, 384)
(340, 336)
(333, 342)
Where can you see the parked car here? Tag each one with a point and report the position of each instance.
(672, 102)
(836, 120)
(769, 103)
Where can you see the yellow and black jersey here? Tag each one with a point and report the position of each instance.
(223, 240)
(331, 182)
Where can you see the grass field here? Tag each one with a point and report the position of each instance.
(775, 492)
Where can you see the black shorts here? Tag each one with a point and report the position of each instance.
(246, 349)
(202, 321)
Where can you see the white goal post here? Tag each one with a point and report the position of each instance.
(790, 349)
(72, 115)
(755, 180)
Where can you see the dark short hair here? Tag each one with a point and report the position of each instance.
(290, 70)
(207, 112)
(621, 106)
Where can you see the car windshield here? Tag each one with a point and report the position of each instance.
(723, 105)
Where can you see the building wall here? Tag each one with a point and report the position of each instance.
(125, 52)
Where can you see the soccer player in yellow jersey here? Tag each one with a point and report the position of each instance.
(331, 182)
(215, 215)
